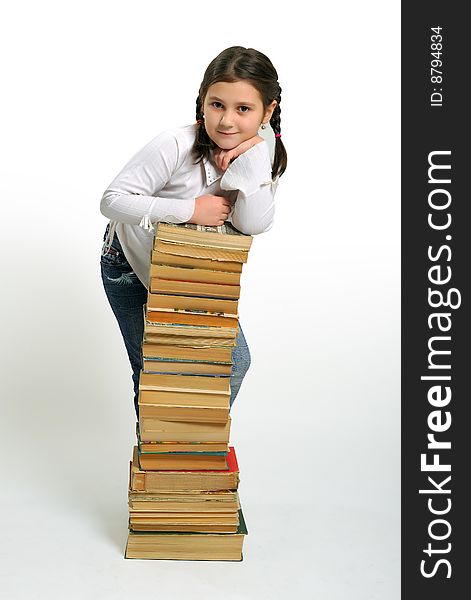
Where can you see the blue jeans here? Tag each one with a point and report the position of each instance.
(127, 295)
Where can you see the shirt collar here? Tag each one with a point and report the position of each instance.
(212, 172)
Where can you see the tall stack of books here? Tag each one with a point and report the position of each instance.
(183, 498)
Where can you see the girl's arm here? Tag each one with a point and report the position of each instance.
(250, 174)
(130, 196)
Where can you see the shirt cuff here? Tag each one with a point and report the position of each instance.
(249, 171)
(172, 211)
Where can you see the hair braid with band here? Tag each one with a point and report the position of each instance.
(281, 158)
(202, 138)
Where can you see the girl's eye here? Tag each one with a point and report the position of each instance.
(244, 108)
(217, 104)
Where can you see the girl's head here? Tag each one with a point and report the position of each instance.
(244, 83)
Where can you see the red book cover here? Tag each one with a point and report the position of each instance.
(233, 467)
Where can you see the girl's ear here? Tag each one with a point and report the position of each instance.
(269, 111)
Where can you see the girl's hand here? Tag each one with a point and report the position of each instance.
(210, 210)
(224, 157)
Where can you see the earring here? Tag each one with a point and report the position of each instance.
(263, 126)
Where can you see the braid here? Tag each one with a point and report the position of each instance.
(275, 120)
(281, 158)
(202, 143)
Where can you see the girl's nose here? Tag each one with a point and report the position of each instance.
(227, 118)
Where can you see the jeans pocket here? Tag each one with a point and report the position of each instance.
(113, 259)
(115, 272)
(125, 278)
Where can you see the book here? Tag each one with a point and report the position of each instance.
(182, 413)
(151, 397)
(193, 274)
(188, 546)
(178, 461)
(166, 258)
(191, 318)
(198, 331)
(176, 338)
(194, 384)
(155, 365)
(159, 430)
(220, 501)
(164, 447)
(137, 524)
(159, 285)
(146, 481)
(195, 524)
(159, 447)
(224, 236)
(216, 355)
(217, 306)
(200, 252)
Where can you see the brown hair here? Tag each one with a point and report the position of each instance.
(237, 64)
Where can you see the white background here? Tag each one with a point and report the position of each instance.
(316, 424)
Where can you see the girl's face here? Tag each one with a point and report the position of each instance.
(233, 113)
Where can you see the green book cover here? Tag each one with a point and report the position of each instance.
(185, 453)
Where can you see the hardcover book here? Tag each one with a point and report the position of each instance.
(200, 252)
(178, 461)
(165, 258)
(170, 302)
(218, 355)
(193, 274)
(165, 447)
(141, 480)
(159, 285)
(224, 236)
(160, 430)
(188, 546)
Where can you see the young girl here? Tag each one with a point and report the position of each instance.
(218, 169)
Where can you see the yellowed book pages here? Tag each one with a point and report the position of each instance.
(201, 251)
(161, 366)
(222, 355)
(224, 236)
(163, 258)
(215, 306)
(185, 547)
(188, 341)
(181, 446)
(189, 318)
(220, 501)
(159, 430)
(194, 288)
(186, 527)
(184, 383)
(154, 397)
(192, 274)
(227, 333)
(180, 518)
(194, 414)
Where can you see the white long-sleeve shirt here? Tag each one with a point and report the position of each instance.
(161, 183)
